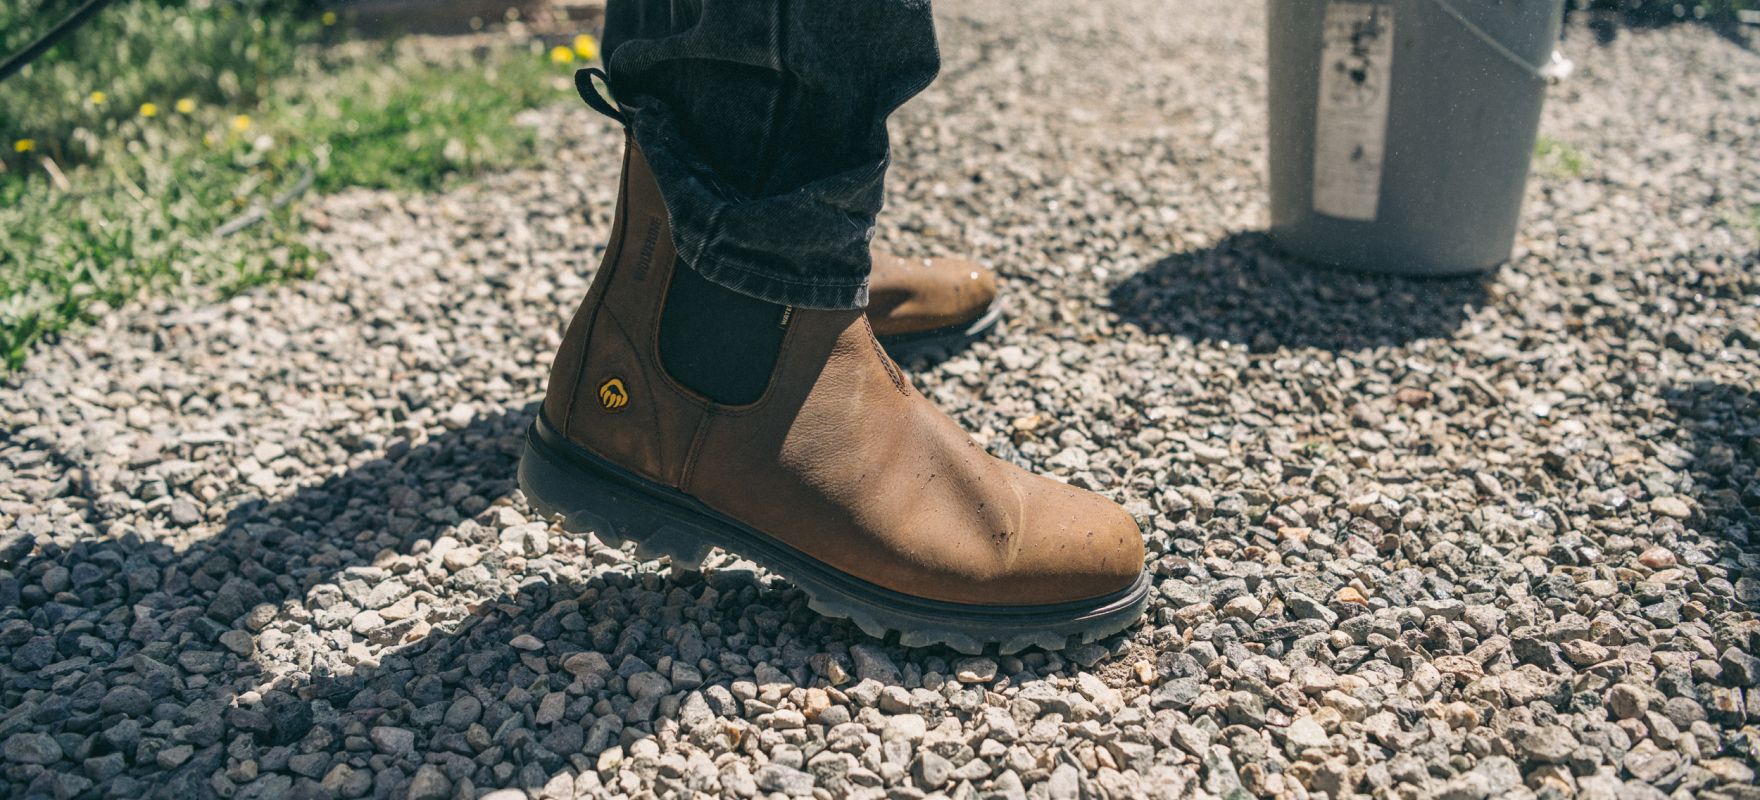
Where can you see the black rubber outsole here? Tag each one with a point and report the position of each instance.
(595, 496)
(904, 345)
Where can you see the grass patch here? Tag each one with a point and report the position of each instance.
(129, 145)
(1558, 159)
(135, 220)
(1749, 220)
(140, 55)
(439, 118)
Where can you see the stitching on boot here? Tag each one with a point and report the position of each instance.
(689, 470)
(885, 361)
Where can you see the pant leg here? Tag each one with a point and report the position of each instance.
(764, 122)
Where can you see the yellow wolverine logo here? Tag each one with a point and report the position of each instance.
(613, 396)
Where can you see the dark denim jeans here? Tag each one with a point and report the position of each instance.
(764, 122)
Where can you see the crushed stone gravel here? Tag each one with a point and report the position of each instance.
(1453, 539)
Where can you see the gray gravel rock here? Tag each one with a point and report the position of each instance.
(429, 783)
(1549, 744)
(975, 670)
(394, 741)
(1650, 763)
(1739, 667)
(1447, 538)
(31, 748)
(872, 663)
(931, 771)
(787, 780)
(1495, 776)
(130, 700)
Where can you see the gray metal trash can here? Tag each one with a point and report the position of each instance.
(1402, 130)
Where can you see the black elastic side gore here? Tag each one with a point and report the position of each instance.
(718, 342)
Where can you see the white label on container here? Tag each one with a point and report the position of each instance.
(1350, 128)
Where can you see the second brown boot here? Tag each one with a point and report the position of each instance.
(916, 303)
(840, 477)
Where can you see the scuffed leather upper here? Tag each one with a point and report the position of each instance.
(912, 295)
(841, 458)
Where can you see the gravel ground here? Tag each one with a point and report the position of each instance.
(1413, 539)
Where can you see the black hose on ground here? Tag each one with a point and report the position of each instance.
(23, 57)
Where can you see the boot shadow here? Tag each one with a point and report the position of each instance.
(1605, 23)
(228, 710)
(1719, 426)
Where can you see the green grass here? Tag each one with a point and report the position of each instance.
(134, 220)
(434, 121)
(1558, 159)
(1749, 220)
(107, 204)
(209, 52)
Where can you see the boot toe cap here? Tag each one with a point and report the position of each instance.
(1066, 545)
(1051, 544)
(1095, 550)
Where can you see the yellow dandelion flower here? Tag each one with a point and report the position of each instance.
(586, 47)
(149, 109)
(24, 145)
(241, 123)
(208, 139)
(98, 98)
(561, 55)
(185, 105)
(329, 18)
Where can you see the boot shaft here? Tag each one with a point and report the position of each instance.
(608, 390)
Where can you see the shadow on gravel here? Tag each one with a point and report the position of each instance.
(1242, 290)
(1607, 22)
(1721, 424)
(164, 616)
(144, 700)
(927, 356)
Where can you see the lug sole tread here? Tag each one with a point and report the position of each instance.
(656, 538)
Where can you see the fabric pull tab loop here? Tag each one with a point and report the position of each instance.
(583, 83)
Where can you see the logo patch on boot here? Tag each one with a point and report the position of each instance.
(647, 254)
(612, 395)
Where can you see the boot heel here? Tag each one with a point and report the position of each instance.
(589, 503)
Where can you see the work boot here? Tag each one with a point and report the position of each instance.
(923, 302)
(840, 476)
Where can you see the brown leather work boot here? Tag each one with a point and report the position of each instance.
(841, 478)
(922, 302)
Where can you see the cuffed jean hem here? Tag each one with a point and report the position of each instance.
(755, 283)
(807, 248)
(764, 123)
